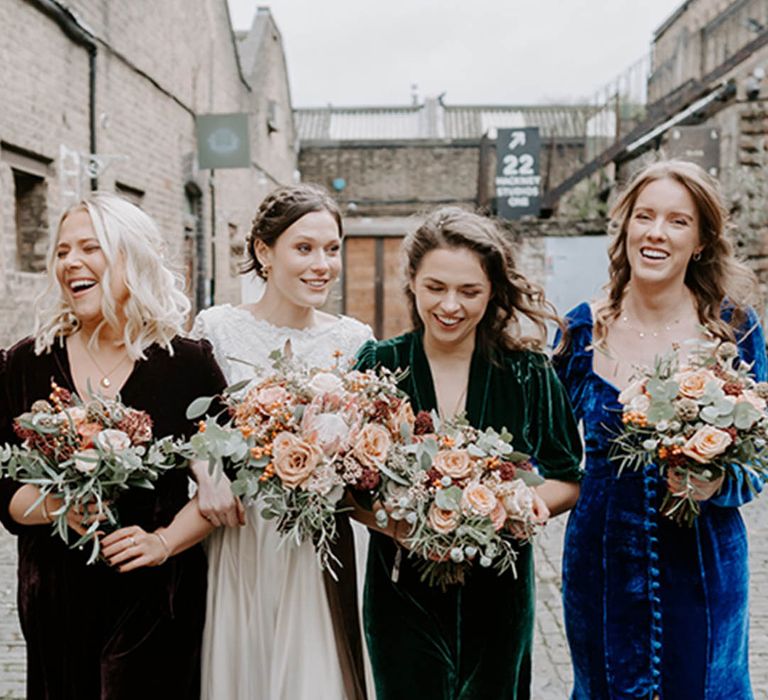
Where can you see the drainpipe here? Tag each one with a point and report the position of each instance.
(71, 26)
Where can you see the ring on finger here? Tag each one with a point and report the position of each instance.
(132, 540)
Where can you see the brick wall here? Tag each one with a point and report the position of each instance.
(158, 65)
(403, 178)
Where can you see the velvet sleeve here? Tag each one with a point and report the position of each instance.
(208, 378)
(365, 357)
(573, 361)
(8, 487)
(552, 430)
(739, 487)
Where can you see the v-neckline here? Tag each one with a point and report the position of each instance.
(477, 382)
(590, 349)
(61, 354)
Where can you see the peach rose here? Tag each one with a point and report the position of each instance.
(87, 432)
(324, 383)
(706, 443)
(636, 388)
(692, 383)
(498, 516)
(372, 445)
(404, 414)
(442, 521)
(453, 463)
(268, 396)
(477, 500)
(86, 461)
(293, 459)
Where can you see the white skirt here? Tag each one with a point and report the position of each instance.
(268, 632)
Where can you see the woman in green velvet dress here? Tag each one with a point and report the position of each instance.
(467, 353)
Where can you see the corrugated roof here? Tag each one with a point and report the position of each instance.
(436, 120)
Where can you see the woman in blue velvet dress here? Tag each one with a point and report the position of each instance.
(654, 609)
(467, 353)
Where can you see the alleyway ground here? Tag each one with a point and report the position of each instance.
(552, 670)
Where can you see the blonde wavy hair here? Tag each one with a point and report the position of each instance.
(716, 277)
(514, 298)
(156, 308)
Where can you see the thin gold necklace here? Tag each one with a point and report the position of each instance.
(105, 380)
(666, 328)
(456, 406)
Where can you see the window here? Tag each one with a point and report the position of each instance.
(132, 194)
(31, 200)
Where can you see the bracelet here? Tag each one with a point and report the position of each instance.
(167, 549)
(44, 509)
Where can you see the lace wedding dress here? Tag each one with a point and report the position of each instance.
(268, 633)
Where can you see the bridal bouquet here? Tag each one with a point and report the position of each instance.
(463, 492)
(697, 423)
(299, 437)
(85, 454)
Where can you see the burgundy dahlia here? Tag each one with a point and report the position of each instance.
(423, 424)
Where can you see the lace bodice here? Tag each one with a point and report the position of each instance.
(236, 335)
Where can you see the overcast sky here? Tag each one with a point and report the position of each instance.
(362, 52)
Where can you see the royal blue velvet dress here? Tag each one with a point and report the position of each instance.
(651, 607)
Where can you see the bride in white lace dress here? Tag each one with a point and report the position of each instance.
(276, 627)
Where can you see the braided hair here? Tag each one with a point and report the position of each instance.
(280, 209)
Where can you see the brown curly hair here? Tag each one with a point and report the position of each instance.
(716, 276)
(513, 297)
(281, 208)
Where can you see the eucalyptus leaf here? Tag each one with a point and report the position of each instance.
(660, 411)
(237, 386)
(448, 499)
(529, 478)
(386, 471)
(199, 407)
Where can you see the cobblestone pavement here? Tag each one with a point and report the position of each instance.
(552, 675)
(551, 664)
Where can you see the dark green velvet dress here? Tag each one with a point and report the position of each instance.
(471, 642)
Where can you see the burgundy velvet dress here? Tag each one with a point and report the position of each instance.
(91, 632)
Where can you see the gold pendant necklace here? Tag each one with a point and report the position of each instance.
(105, 381)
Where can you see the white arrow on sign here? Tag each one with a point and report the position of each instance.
(517, 139)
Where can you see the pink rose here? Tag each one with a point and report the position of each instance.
(636, 388)
(86, 461)
(517, 499)
(294, 459)
(328, 430)
(325, 383)
(111, 440)
(453, 463)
